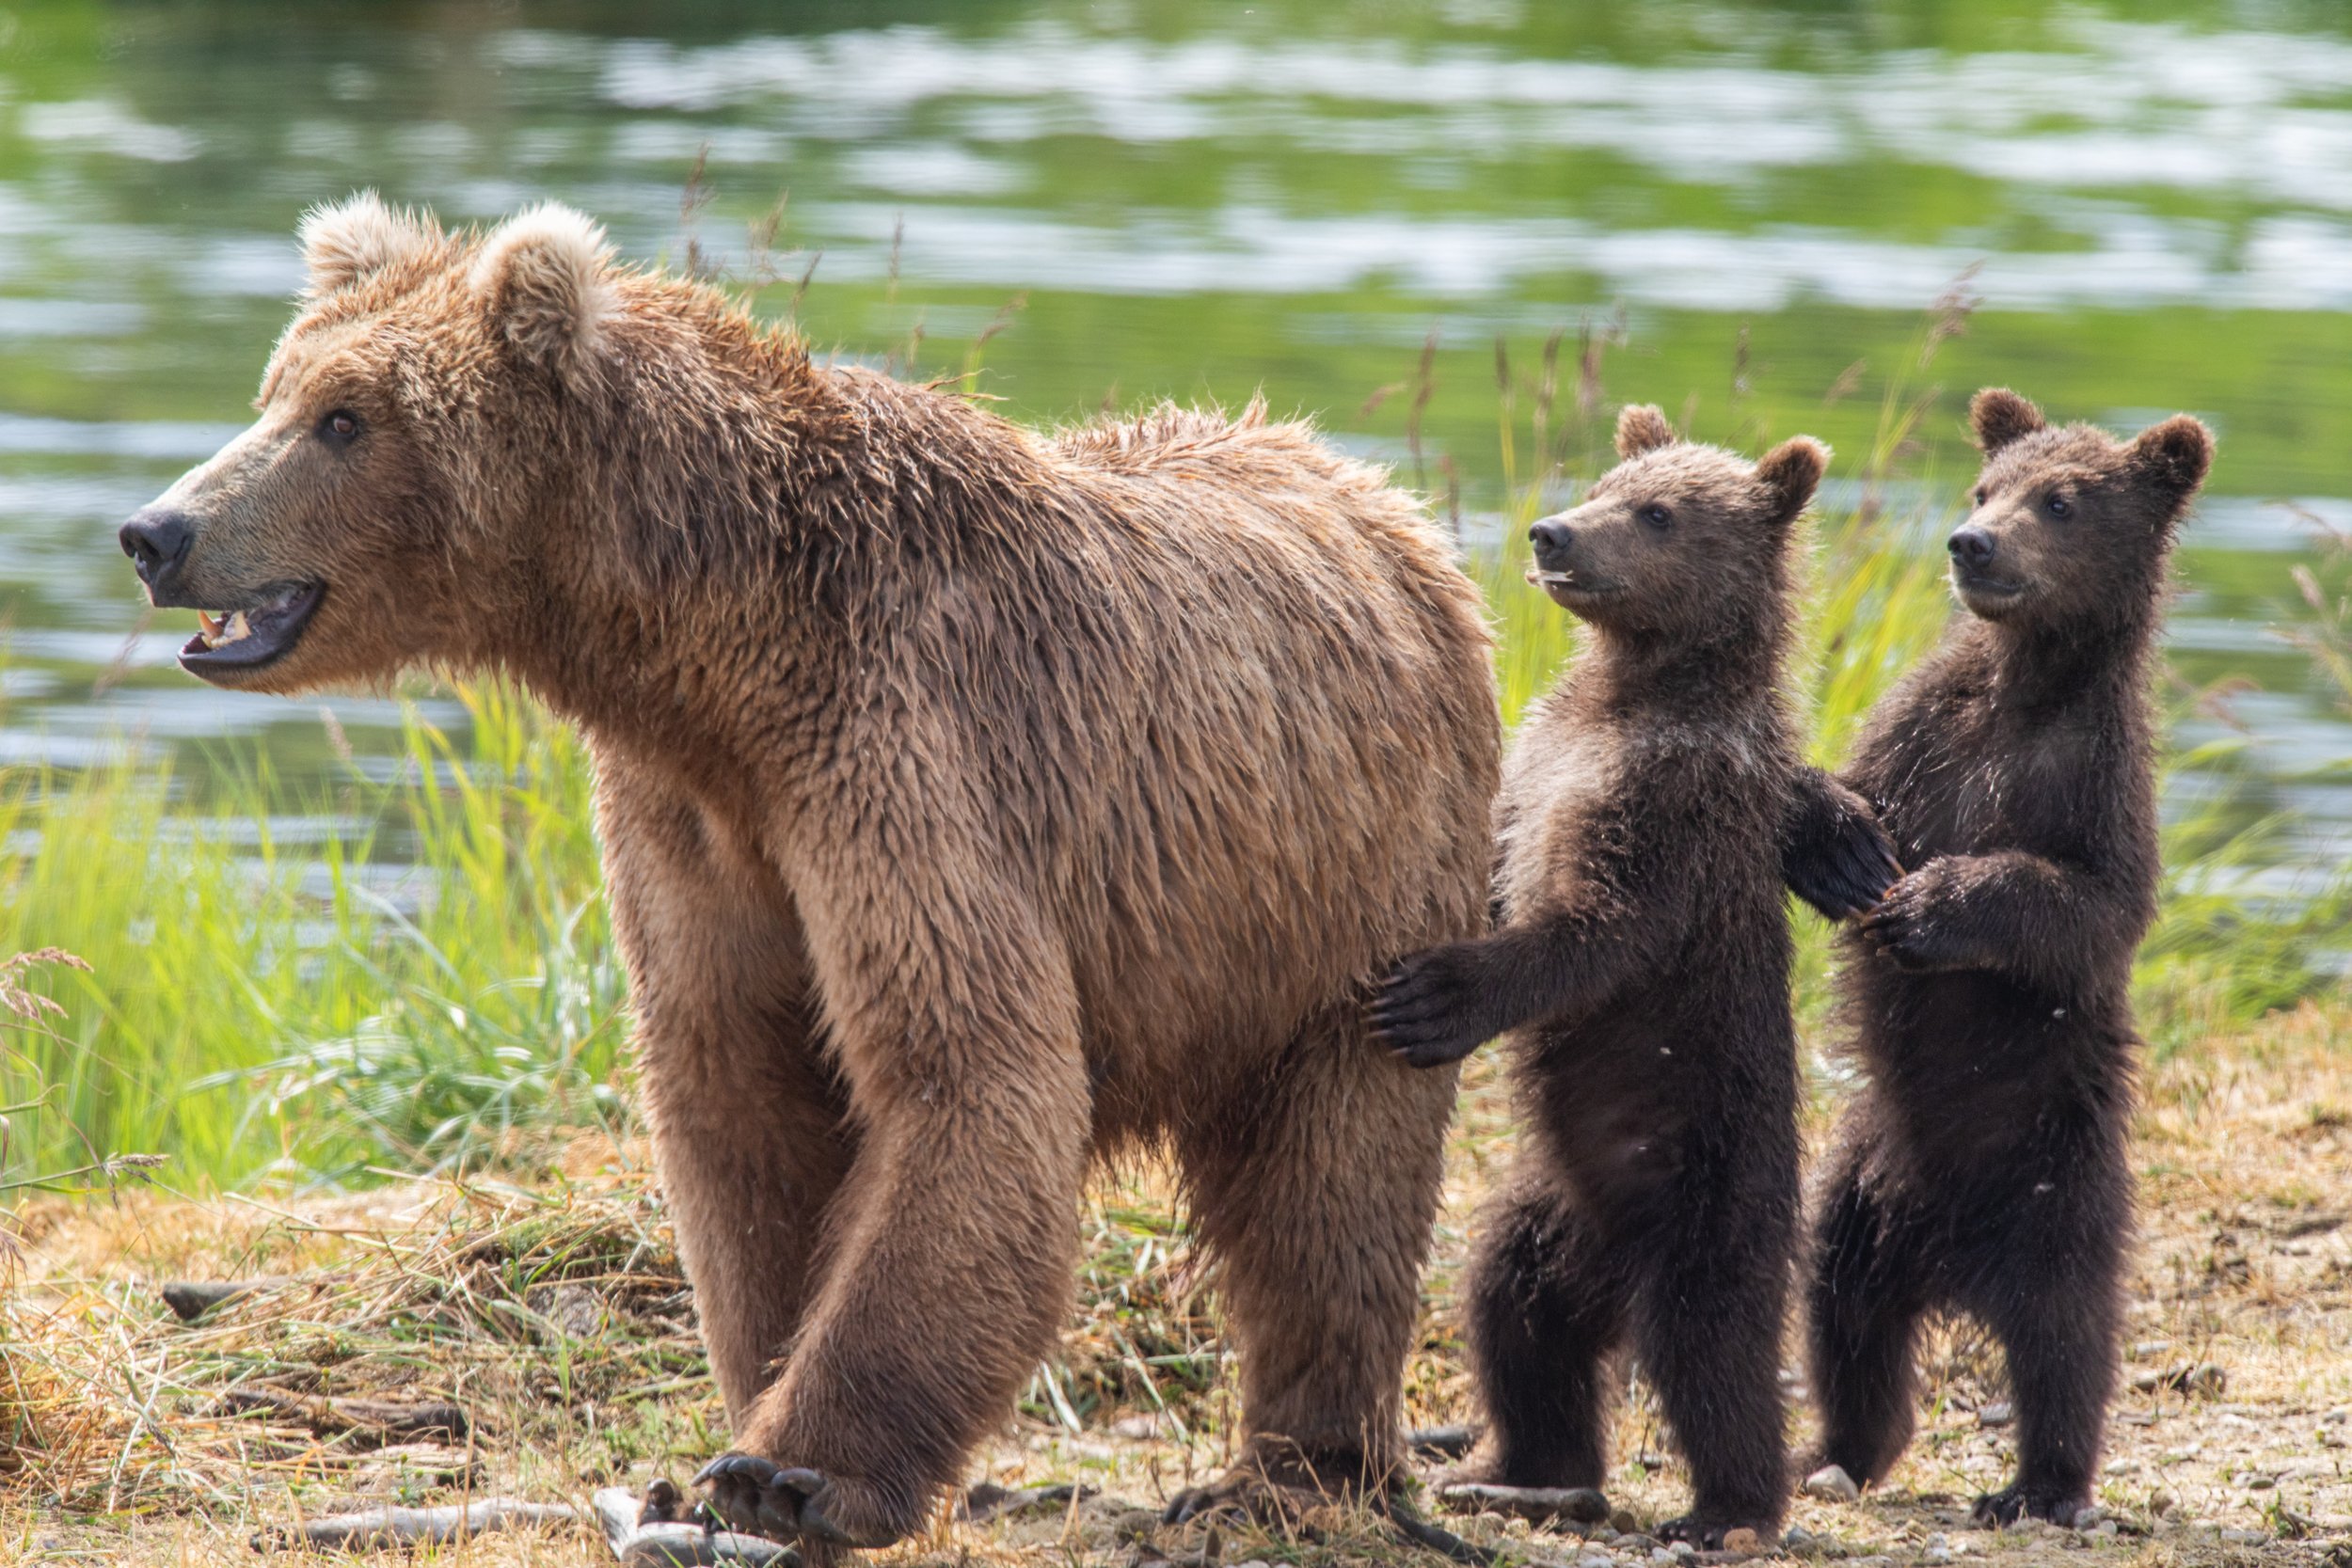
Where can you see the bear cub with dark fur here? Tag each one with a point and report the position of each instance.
(1643, 964)
(1982, 1166)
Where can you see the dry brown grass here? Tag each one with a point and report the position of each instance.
(553, 1314)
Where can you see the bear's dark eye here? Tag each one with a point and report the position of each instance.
(340, 427)
(1655, 515)
(1981, 493)
(2058, 506)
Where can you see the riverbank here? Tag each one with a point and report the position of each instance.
(545, 1306)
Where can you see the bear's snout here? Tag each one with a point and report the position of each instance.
(1972, 547)
(1554, 540)
(156, 539)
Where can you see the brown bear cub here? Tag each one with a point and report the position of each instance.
(1982, 1167)
(1644, 963)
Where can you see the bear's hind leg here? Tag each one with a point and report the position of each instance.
(1707, 1322)
(2053, 1302)
(1546, 1314)
(1863, 1308)
(1314, 1185)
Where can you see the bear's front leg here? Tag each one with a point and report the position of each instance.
(952, 1243)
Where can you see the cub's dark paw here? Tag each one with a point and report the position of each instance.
(1432, 1007)
(752, 1495)
(1835, 856)
(1999, 1509)
(1910, 931)
(1708, 1535)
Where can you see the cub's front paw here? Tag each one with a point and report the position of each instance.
(1432, 1007)
(1999, 1509)
(1912, 928)
(757, 1497)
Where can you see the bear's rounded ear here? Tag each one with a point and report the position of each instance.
(345, 242)
(2000, 416)
(1642, 428)
(1791, 471)
(2173, 456)
(546, 274)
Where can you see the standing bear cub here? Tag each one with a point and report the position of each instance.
(1982, 1166)
(1644, 963)
(974, 803)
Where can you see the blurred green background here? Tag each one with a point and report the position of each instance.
(325, 935)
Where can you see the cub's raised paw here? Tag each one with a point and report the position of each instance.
(1836, 857)
(2000, 1510)
(1430, 1009)
(1907, 929)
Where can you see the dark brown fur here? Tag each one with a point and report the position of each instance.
(1982, 1167)
(1643, 964)
(974, 803)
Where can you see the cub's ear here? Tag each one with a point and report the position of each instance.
(1791, 471)
(2000, 416)
(358, 237)
(547, 277)
(2173, 456)
(1642, 428)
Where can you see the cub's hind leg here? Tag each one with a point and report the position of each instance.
(1546, 1312)
(1865, 1302)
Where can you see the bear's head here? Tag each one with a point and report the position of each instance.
(1681, 541)
(356, 528)
(2070, 527)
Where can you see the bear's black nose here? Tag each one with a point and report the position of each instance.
(1972, 547)
(1551, 537)
(156, 539)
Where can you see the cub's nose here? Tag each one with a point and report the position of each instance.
(1972, 547)
(1553, 538)
(156, 539)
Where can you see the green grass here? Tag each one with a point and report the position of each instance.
(253, 1011)
(253, 1007)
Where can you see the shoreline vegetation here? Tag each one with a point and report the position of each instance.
(411, 969)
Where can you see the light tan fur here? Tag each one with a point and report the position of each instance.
(975, 803)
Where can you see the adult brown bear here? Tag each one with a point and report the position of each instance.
(973, 803)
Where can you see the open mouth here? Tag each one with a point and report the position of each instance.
(1558, 583)
(256, 635)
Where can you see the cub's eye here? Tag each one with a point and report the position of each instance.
(340, 427)
(2058, 506)
(1655, 515)
(1981, 494)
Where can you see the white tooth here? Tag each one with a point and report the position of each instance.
(237, 630)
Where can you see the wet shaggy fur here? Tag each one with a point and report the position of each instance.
(1643, 967)
(974, 805)
(1982, 1166)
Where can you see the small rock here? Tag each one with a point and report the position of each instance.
(1744, 1541)
(2142, 1350)
(1831, 1484)
(1683, 1551)
(1622, 1522)
(2107, 1530)
(2336, 1417)
(1798, 1540)
(2243, 1538)
(1596, 1559)
(1999, 1413)
(1146, 1425)
(1662, 1558)
(2261, 1483)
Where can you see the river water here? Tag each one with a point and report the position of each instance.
(1204, 201)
